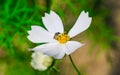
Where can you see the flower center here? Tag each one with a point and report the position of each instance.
(62, 38)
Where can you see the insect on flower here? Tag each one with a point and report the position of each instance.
(57, 42)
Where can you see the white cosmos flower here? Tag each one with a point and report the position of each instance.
(40, 61)
(57, 43)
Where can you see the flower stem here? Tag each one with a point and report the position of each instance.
(73, 64)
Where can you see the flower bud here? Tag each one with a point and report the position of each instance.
(40, 61)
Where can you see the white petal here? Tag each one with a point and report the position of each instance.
(61, 53)
(53, 22)
(82, 23)
(51, 49)
(71, 46)
(39, 35)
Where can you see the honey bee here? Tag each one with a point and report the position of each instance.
(57, 35)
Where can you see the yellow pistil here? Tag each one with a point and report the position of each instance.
(62, 38)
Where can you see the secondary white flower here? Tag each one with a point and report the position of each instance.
(57, 43)
(40, 61)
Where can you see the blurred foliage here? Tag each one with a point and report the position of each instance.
(17, 16)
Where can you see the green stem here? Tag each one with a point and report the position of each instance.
(73, 64)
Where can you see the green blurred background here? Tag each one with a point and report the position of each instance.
(17, 16)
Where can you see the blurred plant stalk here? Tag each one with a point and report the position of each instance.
(114, 22)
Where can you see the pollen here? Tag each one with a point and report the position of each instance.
(62, 38)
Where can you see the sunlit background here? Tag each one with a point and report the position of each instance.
(99, 56)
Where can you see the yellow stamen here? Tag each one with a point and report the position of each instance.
(62, 38)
